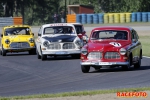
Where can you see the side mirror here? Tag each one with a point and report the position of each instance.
(1, 35)
(39, 34)
(134, 40)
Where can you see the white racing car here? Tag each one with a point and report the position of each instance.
(58, 39)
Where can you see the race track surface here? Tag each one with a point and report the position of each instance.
(23, 74)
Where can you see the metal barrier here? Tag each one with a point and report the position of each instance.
(5, 21)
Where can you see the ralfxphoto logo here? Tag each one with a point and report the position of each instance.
(132, 94)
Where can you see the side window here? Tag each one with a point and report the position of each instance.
(134, 36)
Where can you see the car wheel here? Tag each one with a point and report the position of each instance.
(32, 52)
(0, 52)
(3, 52)
(126, 67)
(44, 57)
(85, 69)
(138, 64)
(76, 56)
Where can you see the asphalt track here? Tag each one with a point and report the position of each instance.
(23, 74)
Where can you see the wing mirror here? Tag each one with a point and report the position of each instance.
(1, 35)
(133, 40)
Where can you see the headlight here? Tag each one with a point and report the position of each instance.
(84, 51)
(79, 43)
(123, 51)
(7, 41)
(46, 43)
(31, 40)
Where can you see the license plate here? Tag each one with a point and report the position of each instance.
(60, 52)
(104, 63)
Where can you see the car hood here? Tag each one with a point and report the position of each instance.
(60, 38)
(17, 38)
(106, 45)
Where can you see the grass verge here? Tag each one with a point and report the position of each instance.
(145, 45)
(81, 93)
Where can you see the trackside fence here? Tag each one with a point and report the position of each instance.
(102, 18)
(5, 21)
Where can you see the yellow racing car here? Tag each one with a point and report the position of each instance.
(17, 38)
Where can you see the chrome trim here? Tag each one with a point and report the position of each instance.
(68, 46)
(112, 55)
(104, 63)
(54, 46)
(19, 45)
(94, 55)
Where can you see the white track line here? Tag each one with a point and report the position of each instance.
(146, 56)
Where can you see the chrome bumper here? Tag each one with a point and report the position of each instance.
(104, 63)
(61, 52)
(20, 48)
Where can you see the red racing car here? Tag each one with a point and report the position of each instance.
(111, 46)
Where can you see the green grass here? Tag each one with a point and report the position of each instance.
(145, 40)
(81, 93)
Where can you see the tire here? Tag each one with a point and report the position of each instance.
(77, 56)
(0, 52)
(85, 69)
(3, 52)
(44, 57)
(32, 52)
(138, 64)
(126, 67)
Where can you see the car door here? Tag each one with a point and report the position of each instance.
(135, 44)
(138, 45)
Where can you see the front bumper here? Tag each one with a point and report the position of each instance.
(98, 63)
(20, 49)
(61, 52)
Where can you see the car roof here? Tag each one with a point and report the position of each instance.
(126, 28)
(76, 23)
(12, 26)
(57, 24)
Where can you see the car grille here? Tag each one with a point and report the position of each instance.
(94, 55)
(68, 46)
(112, 55)
(54, 46)
(19, 45)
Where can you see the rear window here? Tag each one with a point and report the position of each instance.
(110, 34)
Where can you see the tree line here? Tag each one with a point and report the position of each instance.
(36, 12)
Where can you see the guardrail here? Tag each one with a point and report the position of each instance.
(5, 21)
(101, 18)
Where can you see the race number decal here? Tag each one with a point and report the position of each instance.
(116, 44)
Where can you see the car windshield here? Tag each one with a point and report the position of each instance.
(58, 30)
(110, 34)
(17, 31)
